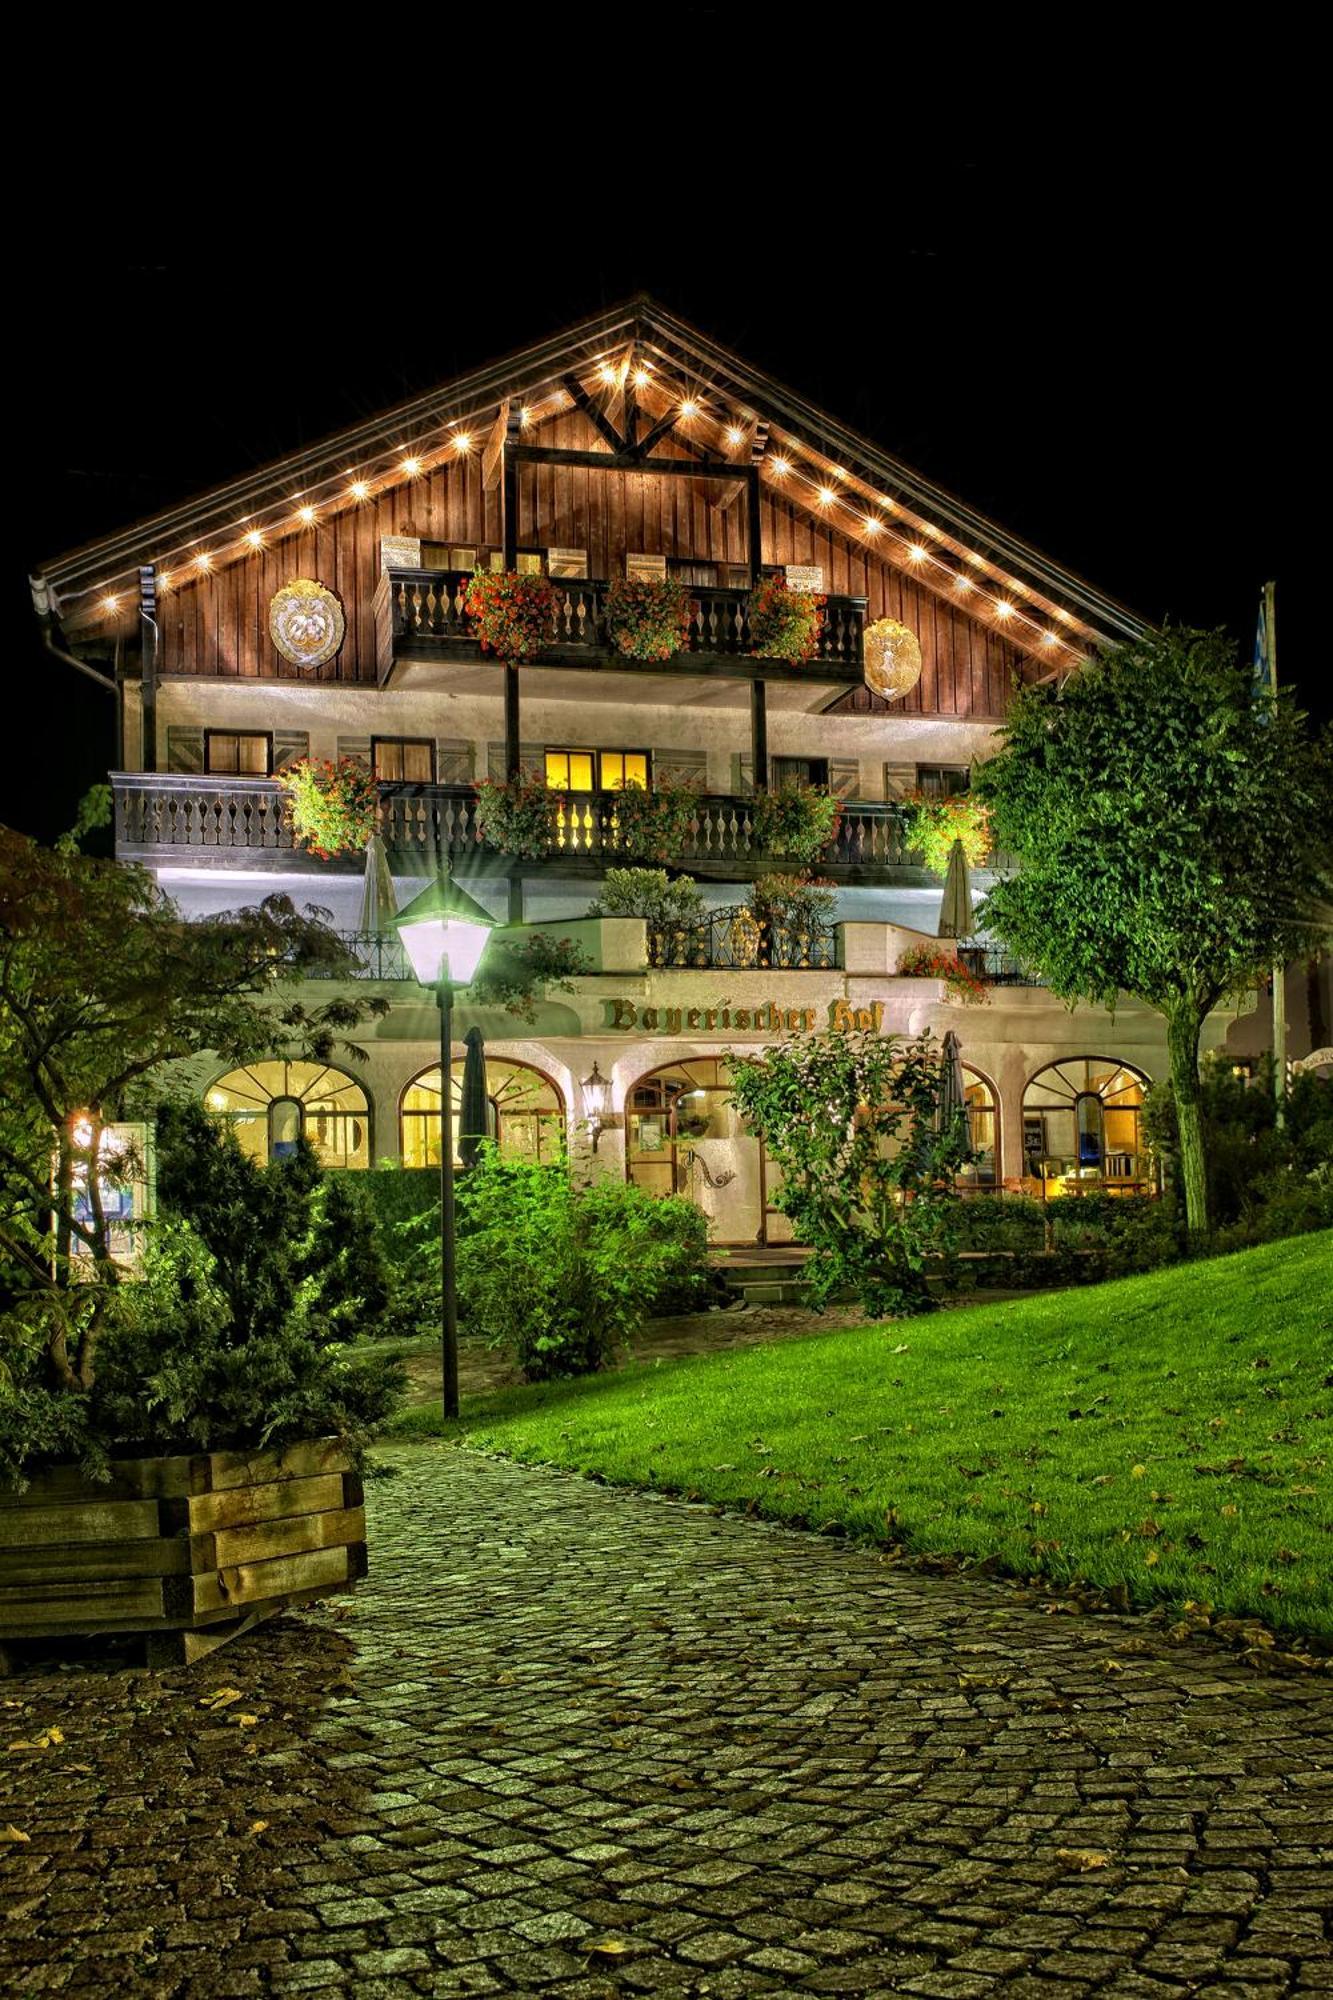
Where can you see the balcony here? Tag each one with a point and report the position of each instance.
(420, 616)
(190, 822)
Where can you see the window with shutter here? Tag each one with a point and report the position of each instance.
(289, 747)
(185, 750)
(355, 746)
(899, 780)
(742, 774)
(454, 760)
(844, 777)
(238, 753)
(681, 767)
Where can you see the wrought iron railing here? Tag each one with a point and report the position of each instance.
(996, 965)
(734, 937)
(429, 606)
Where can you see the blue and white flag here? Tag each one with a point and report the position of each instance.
(1264, 682)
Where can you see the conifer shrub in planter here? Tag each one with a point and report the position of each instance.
(332, 807)
(520, 816)
(671, 906)
(511, 612)
(798, 823)
(647, 618)
(784, 624)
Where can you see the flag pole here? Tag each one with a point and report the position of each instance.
(1279, 969)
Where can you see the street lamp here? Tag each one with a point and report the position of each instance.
(444, 934)
(597, 1102)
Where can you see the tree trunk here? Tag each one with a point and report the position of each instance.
(1183, 1028)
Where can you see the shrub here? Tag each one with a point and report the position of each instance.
(784, 624)
(332, 807)
(656, 825)
(519, 817)
(511, 612)
(797, 823)
(647, 618)
(924, 961)
(1263, 1179)
(933, 825)
(562, 1275)
(666, 901)
(516, 971)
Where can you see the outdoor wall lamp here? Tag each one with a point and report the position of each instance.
(596, 1102)
(444, 934)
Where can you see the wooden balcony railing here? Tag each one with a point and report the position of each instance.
(158, 814)
(422, 610)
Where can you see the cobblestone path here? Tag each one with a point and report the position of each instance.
(570, 1740)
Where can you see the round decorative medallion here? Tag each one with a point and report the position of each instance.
(306, 622)
(892, 658)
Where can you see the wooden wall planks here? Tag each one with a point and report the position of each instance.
(217, 623)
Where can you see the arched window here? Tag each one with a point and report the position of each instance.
(525, 1114)
(270, 1105)
(1083, 1123)
(983, 1125)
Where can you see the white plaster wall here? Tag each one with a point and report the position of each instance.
(599, 722)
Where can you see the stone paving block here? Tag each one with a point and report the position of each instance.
(740, 1750)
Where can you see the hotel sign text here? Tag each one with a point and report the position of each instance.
(843, 1019)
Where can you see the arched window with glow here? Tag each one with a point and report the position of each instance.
(525, 1114)
(270, 1105)
(983, 1127)
(1083, 1125)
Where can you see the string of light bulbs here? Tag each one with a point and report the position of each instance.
(386, 469)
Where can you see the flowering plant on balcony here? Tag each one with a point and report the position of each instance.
(519, 817)
(933, 825)
(511, 612)
(927, 961)
(647, 617)
(784, 624)
(656, 825)
(332, 808)
(797, 823)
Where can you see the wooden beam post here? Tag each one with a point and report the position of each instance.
(759, 736)
(509, 502)
(754, 527)
(494, 453)
(513, 760)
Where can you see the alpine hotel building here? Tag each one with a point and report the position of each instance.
(630, 444)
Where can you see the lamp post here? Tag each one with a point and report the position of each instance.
(444, 934)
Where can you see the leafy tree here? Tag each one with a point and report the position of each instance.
(852, 1121)
(102, 984)
(1169, 830)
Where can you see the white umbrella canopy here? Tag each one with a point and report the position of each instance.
(956, 915)
(379, 903)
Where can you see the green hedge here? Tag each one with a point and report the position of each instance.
(395, 1194)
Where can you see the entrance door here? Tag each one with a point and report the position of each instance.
(684, 1136)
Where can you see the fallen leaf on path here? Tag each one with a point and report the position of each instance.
(14, 1833)
(259, 1826)
(220, 1698)
(610, 1947)
(1083, 1857)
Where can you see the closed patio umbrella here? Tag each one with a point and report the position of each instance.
(379, 903)
(956, 918)
(952, 1103)
(473, 1107)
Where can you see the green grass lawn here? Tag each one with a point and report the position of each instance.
(1169, 1434)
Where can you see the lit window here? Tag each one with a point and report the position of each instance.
(570, 770)
(525, 1115)
(270, 1105)
(624, 767)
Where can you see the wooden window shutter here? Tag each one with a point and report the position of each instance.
(680, 767)
(453, 760)
(899, 780)
(355, 746)
(185, 750)
(844, 777)
(289, 747)
(531, 762)
(742, 774)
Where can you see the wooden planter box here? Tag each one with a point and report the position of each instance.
(187, 1552)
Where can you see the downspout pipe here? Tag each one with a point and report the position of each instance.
(49, 627)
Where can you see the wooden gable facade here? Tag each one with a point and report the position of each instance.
(507, 461)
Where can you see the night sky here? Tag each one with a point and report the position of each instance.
(1110, 347)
